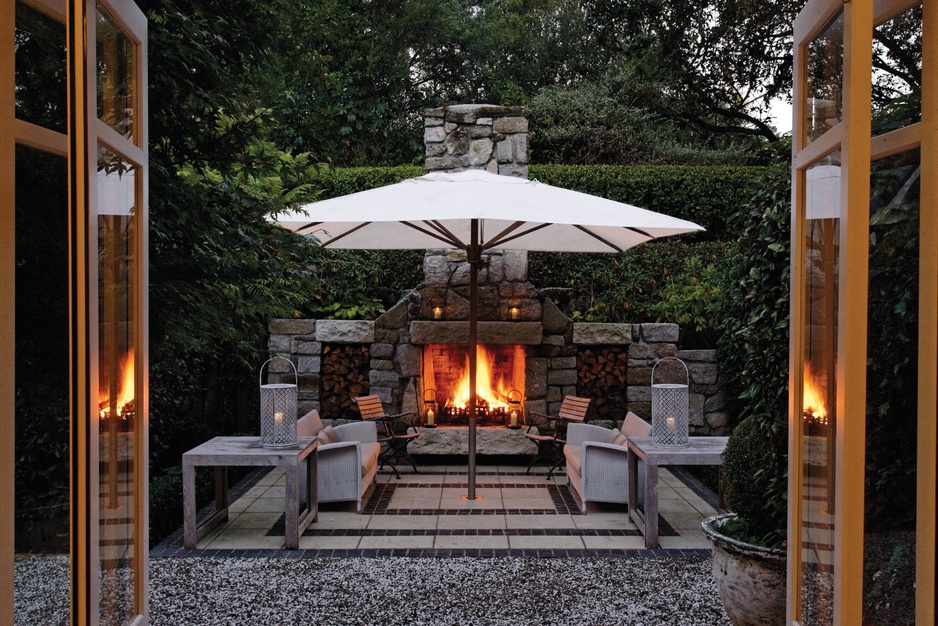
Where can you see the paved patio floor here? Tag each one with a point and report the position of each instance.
(425, 514)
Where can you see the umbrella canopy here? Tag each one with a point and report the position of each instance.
(476, 211)
(436, 211)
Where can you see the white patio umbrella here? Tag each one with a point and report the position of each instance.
(477, 211)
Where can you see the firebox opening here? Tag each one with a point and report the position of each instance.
(500, 375)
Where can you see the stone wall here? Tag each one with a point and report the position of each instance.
(550, 363)
(477, 136)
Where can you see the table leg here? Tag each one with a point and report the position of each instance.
(292, 499)
(188, 506)
(633, 486)
(221, 488)
(651, 505)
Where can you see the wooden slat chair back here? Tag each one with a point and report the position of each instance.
(572, 409)
(398, 431)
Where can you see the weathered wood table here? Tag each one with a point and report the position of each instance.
(222, 452)
(701, 451)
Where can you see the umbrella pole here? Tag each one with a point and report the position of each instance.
(474, 257)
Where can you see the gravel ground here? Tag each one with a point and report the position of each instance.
(406, 591)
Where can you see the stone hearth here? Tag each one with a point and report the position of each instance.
(489, 441)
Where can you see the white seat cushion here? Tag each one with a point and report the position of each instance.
(370, 452)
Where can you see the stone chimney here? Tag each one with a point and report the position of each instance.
(477, 136)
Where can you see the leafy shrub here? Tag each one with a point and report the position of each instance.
(755, 480)
(693, 299)
(753, 355)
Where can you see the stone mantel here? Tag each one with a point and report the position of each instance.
(448, 332)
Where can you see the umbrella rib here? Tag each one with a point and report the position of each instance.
(449, 238)
(601, 239)
(338, 237)
(497, 240)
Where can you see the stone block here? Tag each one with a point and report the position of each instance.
(665, 349)
(457, 142)
(309, 364)
(385, 394)
(695, 412)
(513, 169)
(494, 268)
(510, 125)
(435, 112)
(706, 390)
(484, 121)
(504, 152)
(280, 343)
(292, 327)
(525, 333)
(381, 364)
(602, 334)
(639, 376)
(520, 148)
(563, 363)
(535, 372)
(555, 322)
(642, 409)
(480, 149)
(535, 406)
(384, 378)
(561, 377)
(408, 359)
(436, 271)
(395, 317)
(435, 150)
(382, 350)
(703, 373)
(716, 402)
(455, 441)
(697, 356)
(638, 394)
(450, 127)
(303, 345)
(554, 394)
(670, 371)
(658, 333)
(516, 265)
(433, 121)
(308, 384)
(718, 419)
(345, 331)
(434, 134)
(478, 132)
(553, 340)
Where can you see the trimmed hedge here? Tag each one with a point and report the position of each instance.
(336, 182)
(707, 195)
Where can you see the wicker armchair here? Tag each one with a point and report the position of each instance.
(597, 460)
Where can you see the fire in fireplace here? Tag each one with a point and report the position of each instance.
(499, 384)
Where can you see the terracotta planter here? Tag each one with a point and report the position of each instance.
(750, 579)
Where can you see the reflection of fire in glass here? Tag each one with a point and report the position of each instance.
(121, 407)
(815, 409)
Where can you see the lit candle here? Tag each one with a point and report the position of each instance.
(431, 418)
(514, 312)
(278, 420)
(437, 312)
(670, 422)
(514, 418)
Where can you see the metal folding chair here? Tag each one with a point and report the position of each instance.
(550, 447)
(394, 432)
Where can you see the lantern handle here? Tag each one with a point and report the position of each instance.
(260, 374)
(672, 358)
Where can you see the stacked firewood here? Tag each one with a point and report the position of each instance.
(344, 377)
(601, 375)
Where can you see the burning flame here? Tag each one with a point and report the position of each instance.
(813, 398)
(495, 397)
(125, 394)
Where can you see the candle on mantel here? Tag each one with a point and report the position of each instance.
(431, 417)
(514, 312)
(437, 312)
(514, 418)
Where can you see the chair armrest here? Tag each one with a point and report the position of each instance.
(358, 431)
(338, 446)
(579, 433)
(604, 448)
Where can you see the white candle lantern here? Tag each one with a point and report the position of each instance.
(278, 410)
(430, 408)
(515, 409)
(669, 410)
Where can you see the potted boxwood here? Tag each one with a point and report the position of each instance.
(749, 544)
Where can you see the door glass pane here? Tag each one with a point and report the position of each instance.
(42, 388)
(892, 376)
(116, 385)
(822, 225)
(40, 69)
(115, 76)
(897, 72)
(824, 80)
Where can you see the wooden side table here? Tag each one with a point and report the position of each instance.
(222, 452)
(701, 451)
